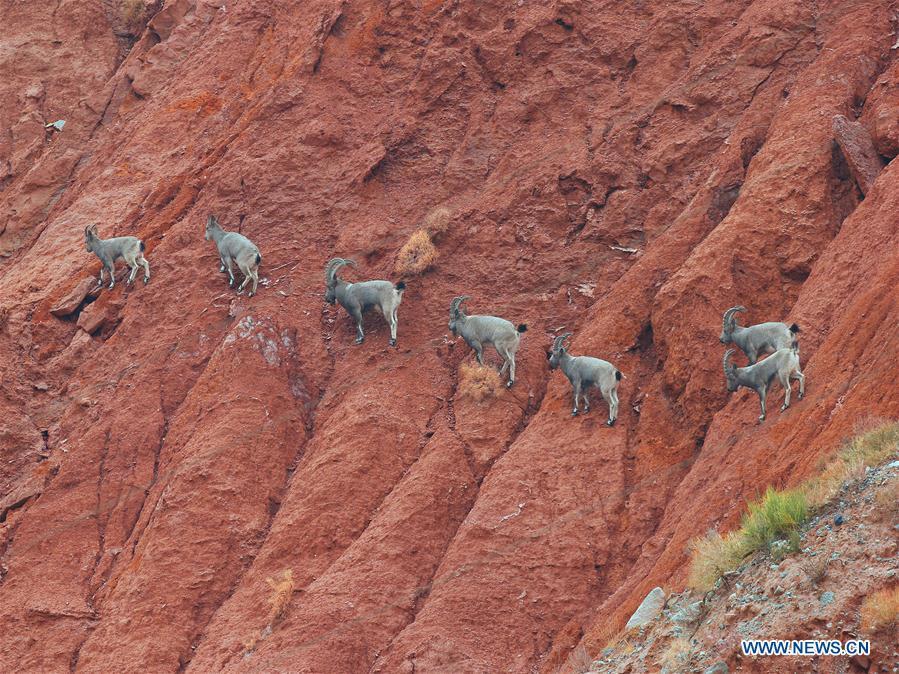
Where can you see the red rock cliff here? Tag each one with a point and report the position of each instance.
(167, 450)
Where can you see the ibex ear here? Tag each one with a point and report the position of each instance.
(210, 221)
(549, 355)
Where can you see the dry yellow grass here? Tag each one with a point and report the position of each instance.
(713, 555)
(605, 636)
(886, 501)
(815, 569)
(282, 591)
(880, 609)
(417, 255)
(478, 382)
(579, 660)
(132, 10)
(872, 446)
(437, 221)
(678, 655)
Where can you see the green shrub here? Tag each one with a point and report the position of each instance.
(777, 515)
(780, 513)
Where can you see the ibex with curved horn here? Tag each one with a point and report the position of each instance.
(479, 331)
(783, 364)
(128, 248)
(756, 340)
(356, 298)
(584, 372)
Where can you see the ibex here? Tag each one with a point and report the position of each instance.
(356, 298)
(236, 247)
(478, 331)
(783, 364)
(584, 372)
(756, 340)
(128, 248)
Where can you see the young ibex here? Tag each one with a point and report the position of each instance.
(756, 340)
(478, 331)
(584, 372)
(237, 247)
(783, 364)
(128, 248)
(356, 298)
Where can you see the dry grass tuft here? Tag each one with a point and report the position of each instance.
(605, 636)
(250, 645)
(132, 10)
(872, 447)
(880, 609)
(437, 221)
(478, 382)
(713, 556)
(579, 660)
(815, 569)
(282, 591)
(417, 255)
(678, 655)
(886, 501)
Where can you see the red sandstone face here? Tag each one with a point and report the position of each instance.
(158, 471)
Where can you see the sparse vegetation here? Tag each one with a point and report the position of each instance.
(779, 514)
(417, 255)
(815, 569)
(870, 448)
(607, 635)
(713, 556)
(880, 609)
(132, 10)
(282, 591)
(478, 382)
(678, 655)
(437, 221)
(775, 516)
(886, 500)
(579, 660)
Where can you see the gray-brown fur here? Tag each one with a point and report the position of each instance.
(584, 372)
(481, 331)
(235, 247)
(127, 248)
(357, 298)
(783, 364)
(756, 340)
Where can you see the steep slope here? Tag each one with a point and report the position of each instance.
(162, 467)
(800, 595)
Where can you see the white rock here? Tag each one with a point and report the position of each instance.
(649, 609)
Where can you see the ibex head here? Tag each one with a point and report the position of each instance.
(211, 224)
(90, 234)
(558, 350)
(730, 322)
(730, 372)
(456, 313)
(331, 277)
